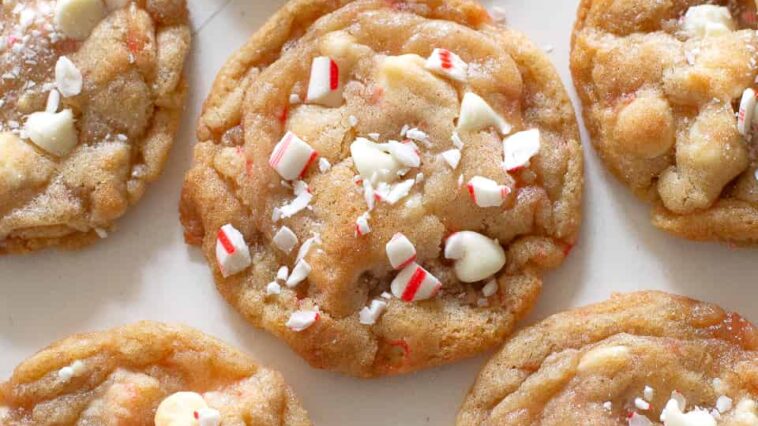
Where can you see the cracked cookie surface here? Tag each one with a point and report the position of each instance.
(380, 196)
(662, 83)
(88, 113)
(121, 377)
(623, 361)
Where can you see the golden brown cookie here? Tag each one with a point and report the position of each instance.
(142, 374)
(623, 361)
(353, 193)
(90, 97)
(668, 95)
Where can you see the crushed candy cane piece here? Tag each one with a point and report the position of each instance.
(299, 273)
(324, 165)
(457, 141)
(648, 393)
(352, 120)
(295, 99)
(418, 135)
(486, 192)
(641, 404)
(372, 162)
(476, 256)
(208, 417)
(68, 78)
(374, 136)
(452, 157)
(490, 288)
(53, 101)
(285, 240)
(295, 206)
(746, 111)
(292, 156)
(415, 283)
(476, 114)
(400, 251)
(608, 405)
(301, 320)
(179, 408)
(637, 419)
(368, 194)
(77, 18)
(324, 87)
(405, 153)
(299, 187)
(305, 248)
(447, 63)
(723, 404)
(369, 314)
(361, 225)
(398, 191)
(282, 273)
(673, 415)
(707, 20)
(232, 253)
(273, 288)
(54, 132)
(519, 148)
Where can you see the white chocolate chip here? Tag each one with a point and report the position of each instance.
(179, 409)
(707, 20)
(285, 240)
(476, 114)
(603, 357)
(77, 18)
(476, 256)
(232, 252)
(53, 132)
(68, 78)
(519, 148)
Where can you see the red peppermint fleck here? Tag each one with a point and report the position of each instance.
(413, 285)
(445, 59)
(334, 75)
(196, 414)
(311, 159)
(224, 240)
(284, 114)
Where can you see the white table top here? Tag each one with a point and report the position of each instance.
(145, 271)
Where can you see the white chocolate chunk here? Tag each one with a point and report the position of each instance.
(369, 314)
(299, 273)
(519, 148)
(415, 283)
(325, 87)
(648, 393)
(292, 156)
(490, 288)
(273, 288)
(602, 357)
(361, 225)
(301, 320)
(476, 256)
(673, 415)
(452, 157)
(53, 132)
(372, 162)
(405, 153)
(707, 20)
(53, 101)
(400, 251)
(77, 18)
(723, 404)
(368, 194)
(208, 417)
(285, 240)
(68, 78)
(232, 252)
(448, 64)
(486, 192)
(282, 273)
(746, 111)
(476, 114)
(179, 409)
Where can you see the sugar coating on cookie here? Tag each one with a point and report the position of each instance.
(669, 99)
(91, 96)
(637, 359)
(145, 373)
(368, 134)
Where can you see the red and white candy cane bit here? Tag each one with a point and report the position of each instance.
(324, 85)
(301, 320)
(400, 251)
(292, 156)
(519, 148)
(745, 113)
(232, 253)
(486, 192)
(447, 63)
(361, 225)
(415, 283)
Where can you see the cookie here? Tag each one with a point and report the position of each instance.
(668, 96)
(91, 93)
(382, 183)
(636, 359)
(145, 373)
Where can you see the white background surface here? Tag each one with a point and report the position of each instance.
(144, 270)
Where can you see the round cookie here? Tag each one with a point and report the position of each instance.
(352, 192)
(90, 99)
(668, 95)
(145, 373)
(614, 362)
